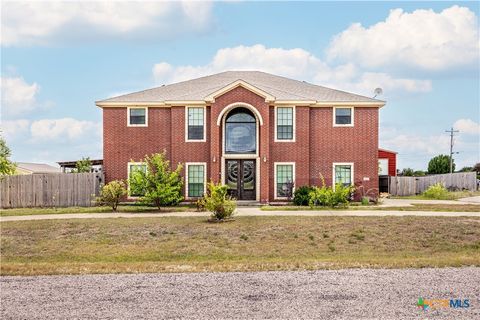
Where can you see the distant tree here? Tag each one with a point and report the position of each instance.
(466, 169)
(7, 167)
(419, 173)
(82, 166)
(476, 168)
(408, 172)
(440, 164)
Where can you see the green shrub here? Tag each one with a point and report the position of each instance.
(111, 193)
(218, 202)
(436, 191)
(301, 196)
(326, 196)
(158, 185)
(365, 201)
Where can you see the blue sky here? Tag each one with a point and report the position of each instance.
(57, 59)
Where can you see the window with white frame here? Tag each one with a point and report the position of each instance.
(195, 123)
(284, 179)
(343, 173)
(135, 185)
(382, 167)
(137, 117)
(343, 116)
(196, 177)
(285, 123)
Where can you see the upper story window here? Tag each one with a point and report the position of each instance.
(240, 132)
(343, 117)
(195, 124)
(137, 117)
(285, 124)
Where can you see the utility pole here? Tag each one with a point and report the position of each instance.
(451, 131)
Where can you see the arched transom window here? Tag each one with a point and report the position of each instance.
(240, 131)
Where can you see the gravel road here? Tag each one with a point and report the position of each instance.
(339, 294)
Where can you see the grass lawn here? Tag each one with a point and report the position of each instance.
(453, 195)
(175, 244)
(414, 207)
(121, 208)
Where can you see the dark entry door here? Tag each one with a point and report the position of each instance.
(240, 179)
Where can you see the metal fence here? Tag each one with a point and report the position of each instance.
(407, 186)
(49, 190)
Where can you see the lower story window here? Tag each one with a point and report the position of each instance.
(284, 175)
(195, 180)
(343, 174)
(135, 181)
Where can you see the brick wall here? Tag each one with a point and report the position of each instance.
(317, 143)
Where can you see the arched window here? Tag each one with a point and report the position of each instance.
(240, 131)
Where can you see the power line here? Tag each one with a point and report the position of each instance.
(451, 131)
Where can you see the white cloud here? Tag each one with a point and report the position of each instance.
(40, 22)
(18, 96)
(467, 126)
(294, 63)
(12, 129)
(422, 38)
(65, 129)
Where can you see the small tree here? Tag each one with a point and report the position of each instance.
(419, 173)
(218, 202)
(440, 164)
(7, 167)
(408, 172)
(111, 193)
(83, 166)
(161, 185)
(466, 169)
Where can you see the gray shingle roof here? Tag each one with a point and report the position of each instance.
(279, 87)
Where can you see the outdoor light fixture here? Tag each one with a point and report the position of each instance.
(264, 159)
(214, 159)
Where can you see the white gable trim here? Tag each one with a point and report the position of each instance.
(239, 104)
(240, 83)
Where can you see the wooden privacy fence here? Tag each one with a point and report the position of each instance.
(49, 190)
(407, 186)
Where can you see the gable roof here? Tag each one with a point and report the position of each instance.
(274, 88)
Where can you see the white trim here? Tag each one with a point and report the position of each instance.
(128, 177)
(240, 83)
(187, 164)
(137, 125)
(352, 171)
(275, 164)
(204, 124)
(234, 105)
(170, 103)
(294, 112)
(352, 116)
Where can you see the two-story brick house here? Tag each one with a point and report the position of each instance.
(250, 130)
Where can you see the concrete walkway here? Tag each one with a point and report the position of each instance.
(410, 202)
(242, 212)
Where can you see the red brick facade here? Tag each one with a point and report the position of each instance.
(318, 144)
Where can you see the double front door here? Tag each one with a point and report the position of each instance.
(240, 179)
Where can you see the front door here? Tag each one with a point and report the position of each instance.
(240, 179)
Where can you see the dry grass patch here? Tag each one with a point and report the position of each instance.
(173, 244)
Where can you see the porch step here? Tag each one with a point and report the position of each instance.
(248, 203)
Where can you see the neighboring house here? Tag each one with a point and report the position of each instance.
(69, 166)
(32, 168)
(250, 130)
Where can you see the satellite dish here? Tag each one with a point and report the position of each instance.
(377, 92)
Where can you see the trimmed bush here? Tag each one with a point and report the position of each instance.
(436, 191)
(111, 193)
(301, 196)
(218, 202)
